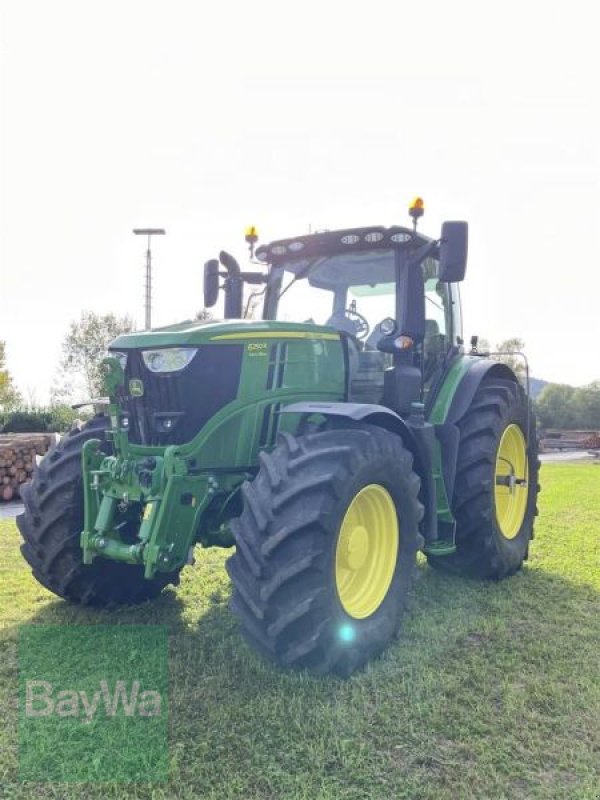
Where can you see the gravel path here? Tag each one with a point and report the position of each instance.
(565, 455)
(10, 509)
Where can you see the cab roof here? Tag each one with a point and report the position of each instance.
(331, 242)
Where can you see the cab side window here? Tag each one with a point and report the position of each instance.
(437, 320)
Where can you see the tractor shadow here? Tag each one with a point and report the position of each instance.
(446, 611)
(223, 698)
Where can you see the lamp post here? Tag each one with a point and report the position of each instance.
(149, 232)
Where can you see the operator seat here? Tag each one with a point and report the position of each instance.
(341, 323)
(373, 339)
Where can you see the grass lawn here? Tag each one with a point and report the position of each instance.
(493, 690)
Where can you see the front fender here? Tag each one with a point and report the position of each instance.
(383, 417)
(370, 413)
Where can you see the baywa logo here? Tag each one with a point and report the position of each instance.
(41, 700)
(100, 695)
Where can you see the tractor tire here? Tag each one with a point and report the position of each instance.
(51, 525)
(494, 520)
(326, 548)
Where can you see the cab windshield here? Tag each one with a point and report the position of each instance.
(352, 292)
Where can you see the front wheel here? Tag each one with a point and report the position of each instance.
(326, 548)
(51, 525)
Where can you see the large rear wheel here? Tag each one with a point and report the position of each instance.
(326, 548)
(496, 484)
(52, 523)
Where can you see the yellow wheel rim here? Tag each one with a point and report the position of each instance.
(366, 551)
(512, 474)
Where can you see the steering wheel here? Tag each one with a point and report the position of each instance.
(361, 324)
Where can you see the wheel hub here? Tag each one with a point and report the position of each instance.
(512, 486)
(366, 551)
(357, 550)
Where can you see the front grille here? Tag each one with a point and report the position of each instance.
(188, 398)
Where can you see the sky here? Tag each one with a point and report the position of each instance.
(206, 118)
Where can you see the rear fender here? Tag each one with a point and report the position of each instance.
(467, 388)
(446, 412)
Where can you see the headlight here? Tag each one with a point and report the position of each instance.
(168, 359)
(121, 357)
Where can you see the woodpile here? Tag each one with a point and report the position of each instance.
(18, 454)
(593, 441)
(555, 439)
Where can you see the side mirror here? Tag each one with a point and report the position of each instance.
(211, 283)
(453, 251)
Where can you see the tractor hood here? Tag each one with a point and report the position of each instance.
(186, 334)
(237, 372)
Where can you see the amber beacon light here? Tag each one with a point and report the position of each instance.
(251, 237)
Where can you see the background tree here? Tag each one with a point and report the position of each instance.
(516, 363)
(587, 406)
(84, 347)
(555, 406)
(569, 407)
(513, 345)
(9, 394)
(203, 315)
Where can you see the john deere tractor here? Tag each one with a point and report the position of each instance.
(330, 441)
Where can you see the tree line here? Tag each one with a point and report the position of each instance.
(78, 377)
(558, 405)
(569, 407)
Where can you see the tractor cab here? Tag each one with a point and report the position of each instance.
(391, 293)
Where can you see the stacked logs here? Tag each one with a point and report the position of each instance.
(593, 442)
(18, 454)
(554, 439)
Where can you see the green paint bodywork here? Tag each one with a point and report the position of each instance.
(180, 495)
(190, 334)
(452, 379)
(437, 416)
(193, 489)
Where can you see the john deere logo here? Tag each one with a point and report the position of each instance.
(136, 387)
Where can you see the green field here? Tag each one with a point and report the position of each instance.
(493, 690)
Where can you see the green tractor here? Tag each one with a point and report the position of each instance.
(330, 441)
